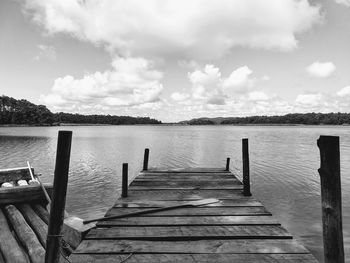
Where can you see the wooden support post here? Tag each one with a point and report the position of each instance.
(145, 160)
(53, 241)
(246, 176)
(331, 199)
(228, 164)
(125, 180)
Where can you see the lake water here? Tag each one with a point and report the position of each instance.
(284, 163)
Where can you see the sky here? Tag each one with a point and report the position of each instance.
(177, 59)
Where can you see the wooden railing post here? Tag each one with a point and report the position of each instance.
(125, 180)
(331, 199)
(53, 241)
(145, 160)
(227, 164)
(246, 176)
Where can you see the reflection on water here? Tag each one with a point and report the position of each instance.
(284, 163)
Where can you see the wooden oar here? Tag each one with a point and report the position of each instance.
(188, 204)
(48, 206)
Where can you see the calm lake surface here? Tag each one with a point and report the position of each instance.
(284, 163)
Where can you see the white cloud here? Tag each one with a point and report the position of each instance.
(210, 87)
(344, 92)
(343, 2)
(257, 96)
(187, 28)
(321, 69)
(179, 97)
(239, 79)
(131, 82)
(46, 51)
(207, 85)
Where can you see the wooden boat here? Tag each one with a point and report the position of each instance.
(24, 219)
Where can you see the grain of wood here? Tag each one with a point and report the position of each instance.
(191, 220)
(195, 247)
(9, 246)
(37, 224)
(195, 258)
(190, 233)
(25, 234)
(196, 211)
(248, 202)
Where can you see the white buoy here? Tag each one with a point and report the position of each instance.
(7, 184)
(22, 182)
(33, 182)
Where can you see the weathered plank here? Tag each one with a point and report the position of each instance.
(173, 195)
(9, 246)
(195, 211)
(185, 184)
(186, 170)
(154, 204)
(190, 220)
(23, 194)
(42, 212)
(237, 229)
(37, 224)
(190, 233)
(217, 176)
(194, 258)
(195, 247)
(25, 234)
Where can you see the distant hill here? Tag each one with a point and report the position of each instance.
(23, 112)
(291, 119)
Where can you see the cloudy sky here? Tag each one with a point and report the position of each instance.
(177, 59)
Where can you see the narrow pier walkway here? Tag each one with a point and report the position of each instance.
(237, 229)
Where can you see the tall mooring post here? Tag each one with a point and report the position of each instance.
(125, 180)
(331, 199)
(145, 159)
(227, 164)
(246, 175)
(54, 235)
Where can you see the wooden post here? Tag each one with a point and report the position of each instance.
(228, 164)
(246, 176)
(125, 180)
(331, 199)
(53, 241)
(145, 160)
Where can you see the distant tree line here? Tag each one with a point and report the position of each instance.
(23, 112)
(292, 118)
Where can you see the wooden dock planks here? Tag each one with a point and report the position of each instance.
(238, 229)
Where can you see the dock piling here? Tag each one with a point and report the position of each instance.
(145, 160)
(227, 164)
(53, 241)
(331, 199)
(125, 180)
(246, 175)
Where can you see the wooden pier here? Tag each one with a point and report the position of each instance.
(236, 229)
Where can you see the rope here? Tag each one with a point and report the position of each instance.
(64, 244)
(125, 259)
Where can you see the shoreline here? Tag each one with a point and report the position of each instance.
(168, 124)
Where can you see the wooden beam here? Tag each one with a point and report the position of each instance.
(200, 246)
(58, 203)
(145, 160)
(125, 180)
(193, 258)
(246, 173)
(25, 234)
(9, 246)
(331, 199)
(23, 194)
